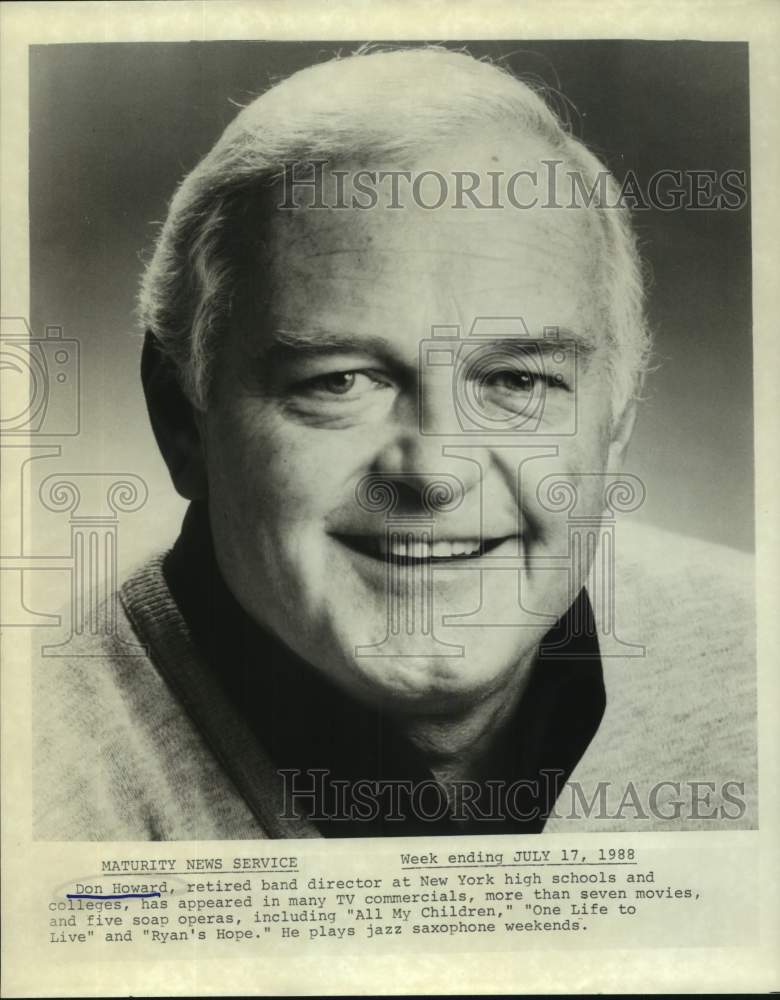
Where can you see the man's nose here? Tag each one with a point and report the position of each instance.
(418, 444)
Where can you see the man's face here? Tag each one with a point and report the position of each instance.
(320, 384)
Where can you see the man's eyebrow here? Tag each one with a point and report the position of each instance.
(566, 338)
(318, 340)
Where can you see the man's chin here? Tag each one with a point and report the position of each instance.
(427, 677)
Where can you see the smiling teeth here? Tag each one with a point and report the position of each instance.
(403, 548)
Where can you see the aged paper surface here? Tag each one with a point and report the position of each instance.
(674, 886)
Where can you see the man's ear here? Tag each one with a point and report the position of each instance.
(622, 429)
(174, 422)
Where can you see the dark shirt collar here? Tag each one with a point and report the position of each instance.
(325, 742)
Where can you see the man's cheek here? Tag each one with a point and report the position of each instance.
(311, 473)
(550, 485)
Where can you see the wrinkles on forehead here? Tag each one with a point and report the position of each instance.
(367, 267)
(508, 258)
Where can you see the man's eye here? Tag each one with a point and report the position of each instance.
(522, 380)
(346, 383)
(514, 381)
(339, 383)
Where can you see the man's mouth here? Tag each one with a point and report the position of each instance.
(410, 549)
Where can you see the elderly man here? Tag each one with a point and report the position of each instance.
(396, 379)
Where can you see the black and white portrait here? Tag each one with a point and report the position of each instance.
(403, 480)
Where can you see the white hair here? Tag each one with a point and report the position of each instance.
(373, 105)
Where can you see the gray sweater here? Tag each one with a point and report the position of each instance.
(133, 738)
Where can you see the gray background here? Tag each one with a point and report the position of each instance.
(114, 127)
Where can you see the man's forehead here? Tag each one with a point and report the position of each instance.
(488, 237)
(492, 261)
(447, 264)
(353, 305)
